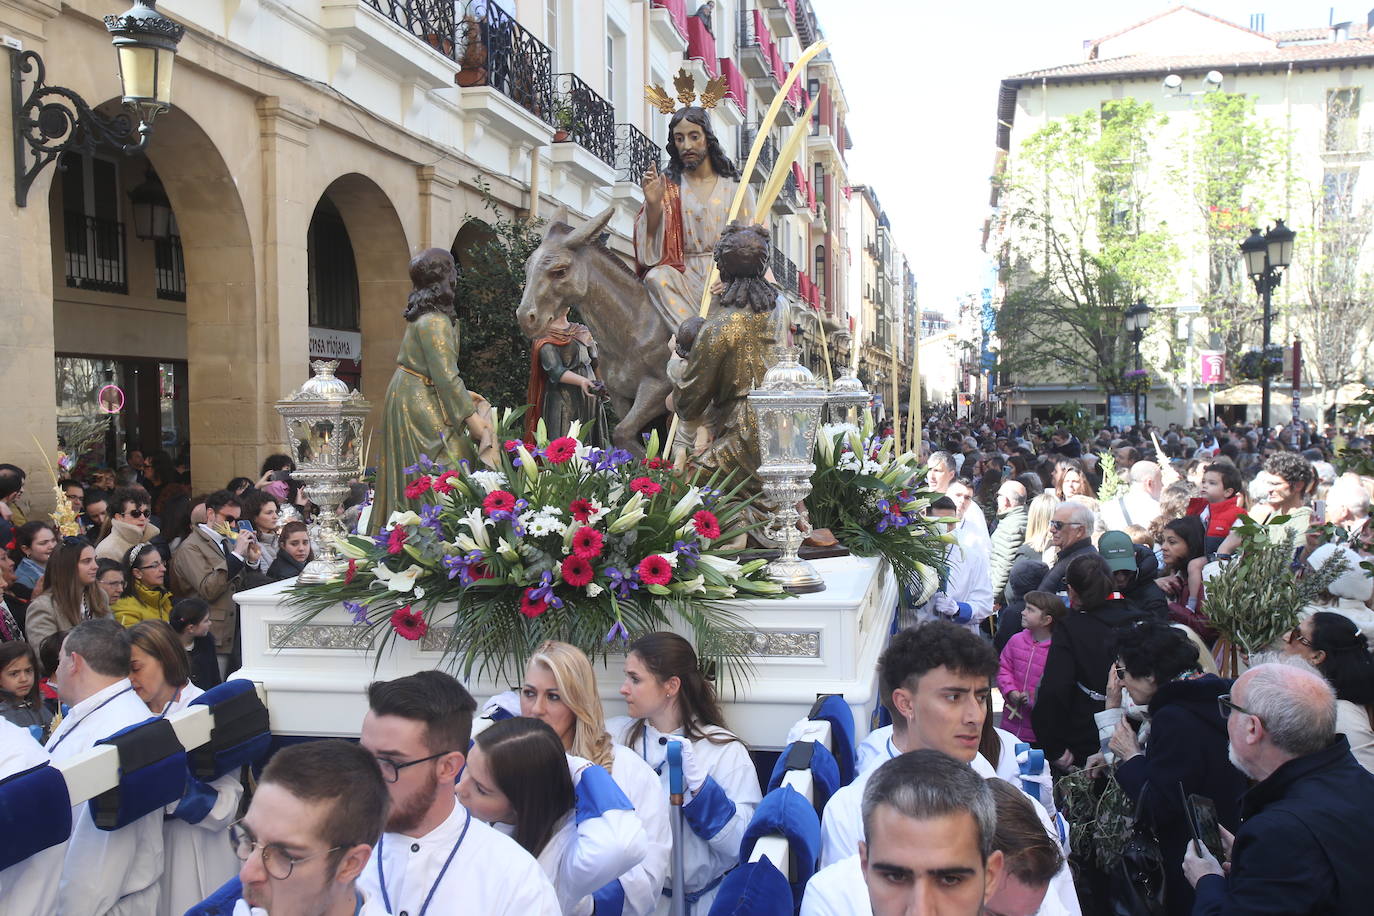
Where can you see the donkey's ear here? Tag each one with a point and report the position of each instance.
(559, 218)
(590, 231)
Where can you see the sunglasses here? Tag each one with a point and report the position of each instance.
(1060, 526)
(139, 513)
(1226, 706)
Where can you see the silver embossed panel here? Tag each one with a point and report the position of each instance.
(777, 643)
(317, 636)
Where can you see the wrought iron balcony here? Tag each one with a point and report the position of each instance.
(494, 50)
(588, 119)
(752, 39)
(431, 21)
(784, 271)
(634, 153)
(95, 253)
(768, 155)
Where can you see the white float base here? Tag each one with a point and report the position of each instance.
(314, 679)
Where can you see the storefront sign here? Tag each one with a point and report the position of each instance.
(1213, 367)
(1120, 410)
(327, 343)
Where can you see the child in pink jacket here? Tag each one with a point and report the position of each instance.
(1023, 661)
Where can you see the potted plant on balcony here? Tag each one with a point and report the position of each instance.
(563, 122)
(473, 60)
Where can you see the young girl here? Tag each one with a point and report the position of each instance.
(190, 620)
(1023, 662)
(34, 543)
(293, 552)
(560, 689)
(21, 700)
(518, 775)
(668, 697)
(1182, 548)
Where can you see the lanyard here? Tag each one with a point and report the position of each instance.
(644, 752)
(891, 750)
(108, 701)
(381, 876)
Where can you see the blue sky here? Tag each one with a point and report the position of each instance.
(922, 77)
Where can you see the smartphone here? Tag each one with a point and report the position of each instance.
(244, 526)
(1202, 820)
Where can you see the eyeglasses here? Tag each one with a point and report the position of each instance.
(275, 860)
(1296, 636)
(139, 513)
(1057, 525)
(1226, 706)
(156, 564)
(391, 770)
(1120, 672)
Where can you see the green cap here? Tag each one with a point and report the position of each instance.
(1118, 550)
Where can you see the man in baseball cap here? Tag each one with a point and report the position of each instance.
(1134, 568)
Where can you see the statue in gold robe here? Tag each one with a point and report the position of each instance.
(428, 410)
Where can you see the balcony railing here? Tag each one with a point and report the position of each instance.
(734, 83)
(95, 253)
(752, 39)
(588, 118)
(634, 153)
(170, 268)
(701, 45)
(767, 155)
(495, 50)
(677, 12)
(784, 271)
(431, 21)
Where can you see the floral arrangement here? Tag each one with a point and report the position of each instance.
(1135, 380)
(872, 499)
(561, 541)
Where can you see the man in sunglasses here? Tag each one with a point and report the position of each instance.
(309, 832)
(1305, 825)
(131, 524)
(1071, 533)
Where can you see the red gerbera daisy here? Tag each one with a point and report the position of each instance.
(532, 607)
(479, 571)
(655, 570)
(645, 485)
(396, 540)
(498, 501)
(442, 485)
(581, 509)
(706, 525)
(587, 543)
(419, 486)
(561, 449)
(352, 571)
(654, 464)
(513, 444)
(577, 572)
(408, 624)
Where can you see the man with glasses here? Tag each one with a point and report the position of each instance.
(435, 857)
(309, 832)
(1305, 825)
(130, 524)
(1071, 532)
(208, 565)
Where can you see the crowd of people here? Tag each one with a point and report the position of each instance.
(1075, 624)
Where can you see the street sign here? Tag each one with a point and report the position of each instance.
(1213, 367)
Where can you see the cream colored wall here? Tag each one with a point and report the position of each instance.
(1184, 31)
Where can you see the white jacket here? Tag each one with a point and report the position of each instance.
(30, 886)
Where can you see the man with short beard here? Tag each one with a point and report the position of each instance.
(435, 858)
(685, 212)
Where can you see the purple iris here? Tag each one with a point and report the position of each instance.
(687, 553)
(425, 463)
(617, 632)
(358, 611)
(382, 538)
(709, 496)
(429, 518)
(544, 591)
(621, 583)
(600, 459)
(620, 456)
(460, 567)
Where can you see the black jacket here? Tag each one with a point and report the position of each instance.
(1303, 843)
(283, 567)
(1144, 596)
(1187, 747)
(1082, 649)
(1054, 579)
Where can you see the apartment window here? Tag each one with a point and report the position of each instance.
(1343, 120)
(820, 276)
(813, 88)
(1338, 194)
(93, 233)
(551, 30)
(610, 66)
(818, 181)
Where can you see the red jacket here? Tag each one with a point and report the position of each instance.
(1223, 514)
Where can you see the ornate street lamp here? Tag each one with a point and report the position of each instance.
(152, 209)
(324, 424)
(52, 120)
(787, 409)
(1266, 257)
(1137, 320)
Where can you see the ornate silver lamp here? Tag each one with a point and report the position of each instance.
(324, 423)
(787, 409)
(848, 398)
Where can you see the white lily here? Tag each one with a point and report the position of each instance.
(671, 557)
(403, 581)
(475, 522)
(593, 590)
(527, 463)
(575, 429)
(727, 568)
(690, 586)
(402, 518)
(349, 549)
(627, 520)
(689, 501)
(507, 551)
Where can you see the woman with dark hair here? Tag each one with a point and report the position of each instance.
(239, 485)
(1071, 479)
(518, 777)
(1182, 549)
(1078, 660)
(34, 543)
(145, 595)
(70, 594)
(1182, 747)
(261, 508)
(196, 858)
(190, 620)
(293, 552)
(1336, 647)
(21, 698)
(109, 575)
(669, 698)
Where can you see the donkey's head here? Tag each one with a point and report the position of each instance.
(557, 273)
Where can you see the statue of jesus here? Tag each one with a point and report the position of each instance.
(684, 214)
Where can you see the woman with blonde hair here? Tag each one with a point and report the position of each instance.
(1037, 545)
(560, 690)
(70, 592)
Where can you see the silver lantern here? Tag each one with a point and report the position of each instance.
(787, 408)
(847, 400)
(324, 424)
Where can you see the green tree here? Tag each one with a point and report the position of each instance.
(1083, 246)
(495, 356)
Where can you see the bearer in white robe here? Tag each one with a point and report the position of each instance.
(29, 886)
(106, 871)
(436, 858)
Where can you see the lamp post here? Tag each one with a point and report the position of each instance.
(1137, 323)
(52, 120)
(1266, 257)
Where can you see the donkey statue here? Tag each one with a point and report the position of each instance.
(573, 267)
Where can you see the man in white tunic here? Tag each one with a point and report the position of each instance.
(436, 858)
(965, 593)
(309, 832)
(29, 886)
(105, 871)
(684, 213)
